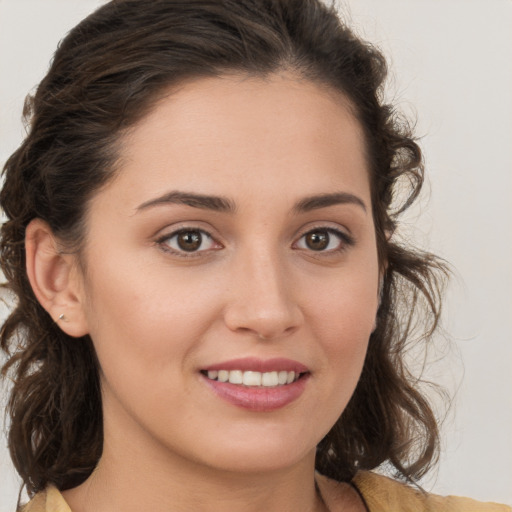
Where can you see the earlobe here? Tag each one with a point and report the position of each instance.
(54, 279)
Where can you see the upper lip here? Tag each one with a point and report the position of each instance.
(254, 364)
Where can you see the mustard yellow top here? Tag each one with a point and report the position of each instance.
(381, 494)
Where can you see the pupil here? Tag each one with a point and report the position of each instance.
(318, 240)
(189, 240)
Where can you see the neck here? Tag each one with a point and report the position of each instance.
(136, 487)
(143, 476)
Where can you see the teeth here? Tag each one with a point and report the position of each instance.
(252, 379)
(255, 379)
(236, 377)
(269, 379)
(282, 377)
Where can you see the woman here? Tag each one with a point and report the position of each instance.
(210, 298)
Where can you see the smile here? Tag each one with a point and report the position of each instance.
(253, 378)
(257, 385)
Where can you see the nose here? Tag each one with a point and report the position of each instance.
(262, 299)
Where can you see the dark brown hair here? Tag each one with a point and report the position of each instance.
(106, 75)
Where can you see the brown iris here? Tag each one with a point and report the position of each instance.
(189, 240)
(317, 240)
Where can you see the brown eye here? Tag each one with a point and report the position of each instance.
(317, 240)
(189, 240)
(328, 240)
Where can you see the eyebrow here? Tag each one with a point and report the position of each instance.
(325, 200)
(206, 202)
(223, 204)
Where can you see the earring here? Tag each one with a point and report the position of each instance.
(63, 317)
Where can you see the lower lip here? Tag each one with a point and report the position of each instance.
(258, 399)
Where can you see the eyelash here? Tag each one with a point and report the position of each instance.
(345, 241)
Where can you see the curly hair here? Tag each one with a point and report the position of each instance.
(107, 74)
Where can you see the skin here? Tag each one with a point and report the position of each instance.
(157, 315)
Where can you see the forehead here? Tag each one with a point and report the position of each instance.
(239, 131)
(251, 102)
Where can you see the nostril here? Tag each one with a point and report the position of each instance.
(265, 318)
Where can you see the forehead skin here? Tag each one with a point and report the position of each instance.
(180, 124)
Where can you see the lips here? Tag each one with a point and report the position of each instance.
(255, 384)
(260, 365)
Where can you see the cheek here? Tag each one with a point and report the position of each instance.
(143, 324)
(347, 307)
(343, 320)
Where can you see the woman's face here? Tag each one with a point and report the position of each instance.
(236, 242)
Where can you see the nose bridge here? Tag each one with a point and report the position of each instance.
(263, 300)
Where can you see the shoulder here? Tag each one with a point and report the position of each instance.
(382, 493)
(49, 500)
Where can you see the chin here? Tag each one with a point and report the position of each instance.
(262, 462)
(273, 453)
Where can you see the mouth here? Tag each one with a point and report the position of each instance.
(254, 379)
(257, 385)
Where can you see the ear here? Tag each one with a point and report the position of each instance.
(55, 279)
